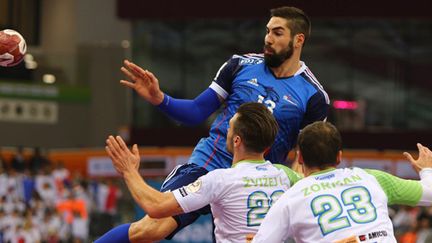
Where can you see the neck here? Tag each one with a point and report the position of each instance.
(308, 171)
(289, 67)
(240, 156)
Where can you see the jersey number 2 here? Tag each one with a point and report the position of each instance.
(328, 209)
(259, 204)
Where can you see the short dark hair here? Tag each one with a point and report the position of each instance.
(319, 144)
(256, 126)
(298, 21)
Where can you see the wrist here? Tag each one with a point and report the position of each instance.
(129, 172)
(165, 101)
(425, 172)
(159, 99)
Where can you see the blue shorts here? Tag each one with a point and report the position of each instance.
(183, 175)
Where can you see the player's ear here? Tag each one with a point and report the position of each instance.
(299, 40)
(237, 141)
(339, 157)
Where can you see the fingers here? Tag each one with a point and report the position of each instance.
(110, 153)
(409, 157)
(121, 143)
(128, 84)
(113, 145)
(139, 77)
(425, 149)
(135, 150)
(151, 76)
(137, 71)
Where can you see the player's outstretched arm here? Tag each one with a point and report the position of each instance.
(126, 162)
(409, 192)
(143, 82)
(189, 112)
(424, 160)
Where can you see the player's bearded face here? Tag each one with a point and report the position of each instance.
(275, 59)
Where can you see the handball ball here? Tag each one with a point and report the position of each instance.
(12, 48)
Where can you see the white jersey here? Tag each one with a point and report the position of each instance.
(239, 196)
(341, 205)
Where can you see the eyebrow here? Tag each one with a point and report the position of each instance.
(276, 28)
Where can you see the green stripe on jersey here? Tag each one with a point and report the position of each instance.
(398, 190)
(292, 175)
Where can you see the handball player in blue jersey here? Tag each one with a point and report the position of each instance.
(276, 78)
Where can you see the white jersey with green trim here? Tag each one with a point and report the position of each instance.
(341, 205)
(239, 196)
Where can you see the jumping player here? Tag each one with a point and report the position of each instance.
(276, 78)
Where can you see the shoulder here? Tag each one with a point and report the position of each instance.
(311, 81)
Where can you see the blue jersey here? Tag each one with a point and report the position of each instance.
(295, 102)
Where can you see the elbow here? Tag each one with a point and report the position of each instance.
(156, 211)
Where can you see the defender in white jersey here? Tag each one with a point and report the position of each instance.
(239, 196)
(342, 205)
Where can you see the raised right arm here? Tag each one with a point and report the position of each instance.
(186, 111)
(409, 192)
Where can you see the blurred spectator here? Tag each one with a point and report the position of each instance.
(18, 162)
(114, 193)
(404, 219)
(37, 161)
(70, 206)
(45, 208)
(46, 187)
(28, 186)
(101, 192)
(80, 228)
(52, 225)
(424, 233)
(3, 163)
(14, 185)
(3, 182)
(61, 176)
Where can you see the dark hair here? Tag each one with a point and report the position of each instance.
(256, 126)
(319, 144)
(298, 21)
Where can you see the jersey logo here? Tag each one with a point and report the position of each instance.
(289, 99)
(324, 177)
(194, 186)
(250, 61)
(254, 82)
(261, 168)
(183, 192)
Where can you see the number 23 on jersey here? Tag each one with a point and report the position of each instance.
(328, 209)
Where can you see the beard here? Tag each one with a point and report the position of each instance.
(274, 60)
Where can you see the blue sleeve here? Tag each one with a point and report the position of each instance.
(226, 74)
(316, 110)
(191, 112)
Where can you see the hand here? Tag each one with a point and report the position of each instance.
(123, 159)
(424, 160)
(143, 82)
